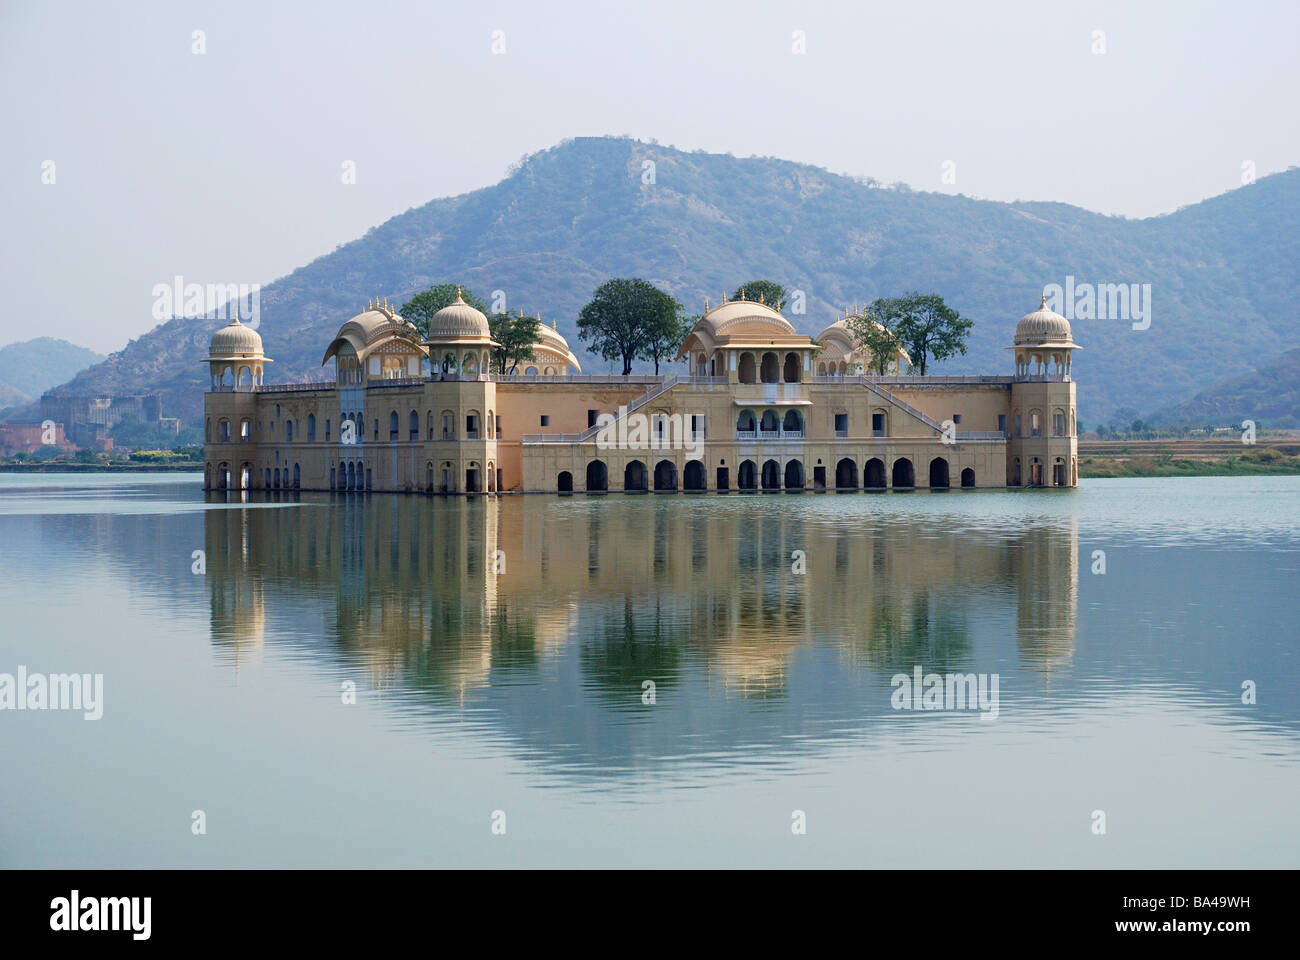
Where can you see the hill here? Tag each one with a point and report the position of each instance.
(1223, 272)
(1270, 396)
(30, 368)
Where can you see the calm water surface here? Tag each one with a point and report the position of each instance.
(521, 691)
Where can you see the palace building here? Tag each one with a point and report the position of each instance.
(757, 407)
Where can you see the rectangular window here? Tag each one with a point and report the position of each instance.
(471, 427)
(546, 420)
(1035, 428)
(1058, 425)
(1002, 423)
(591, 418)
(697, 426)
(327, 440)
(498, 427)
(1017, 424)
(956, 418)
(877, 424)
(841, 424)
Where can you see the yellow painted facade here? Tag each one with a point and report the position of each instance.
(757, 406)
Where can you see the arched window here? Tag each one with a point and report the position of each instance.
(745, 423)
(491, 431)
(769, 423)
(311, 427)
(793, 422)
(770, 372)
(746, 370)
(392, 426)
(413, 424)
(792, 368)
(288, 430)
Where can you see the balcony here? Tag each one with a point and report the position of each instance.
(769, 435)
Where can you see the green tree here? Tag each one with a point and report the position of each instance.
(666, 334)
(871, 331)
(516, 336)
(772, 294)
(622, 317)
(928, 329)
(421, 307)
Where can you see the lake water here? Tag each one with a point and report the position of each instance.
(499, 652)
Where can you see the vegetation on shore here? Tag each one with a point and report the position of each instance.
(1261, 462)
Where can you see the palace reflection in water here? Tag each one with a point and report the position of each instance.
(553, 612)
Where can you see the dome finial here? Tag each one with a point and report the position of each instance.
(458, 297)
(706, 304)
(1043, 302)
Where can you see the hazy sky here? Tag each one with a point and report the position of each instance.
(225, 166)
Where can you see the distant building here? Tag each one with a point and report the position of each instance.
(758, 406)
(90, 419)
(16, 438)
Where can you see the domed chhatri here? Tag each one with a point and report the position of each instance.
(458, 322)
(551, 353)
(378, 338)
(735, 318)
(841, 355)
(235, 341)
(755, 404)
(235, 358)
(1043, 345)
(1043, 326)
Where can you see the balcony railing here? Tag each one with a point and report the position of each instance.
(778, 434)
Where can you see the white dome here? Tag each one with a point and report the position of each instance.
(1043, 326)
(235, 340)
(458, 321)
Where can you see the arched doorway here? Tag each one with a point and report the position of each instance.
(665, 475)
(693, 477)
(771, 475)
(597, 477)
(746, 368)
(634, 476)
(904, 473)
(564, 482)
(846, 475)
(770, 370)
(746, 477)
(794, 475)
(873, 474)
(968, 477)
(791, 371)
(938, 473)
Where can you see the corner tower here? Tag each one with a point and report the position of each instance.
(1043, 447)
